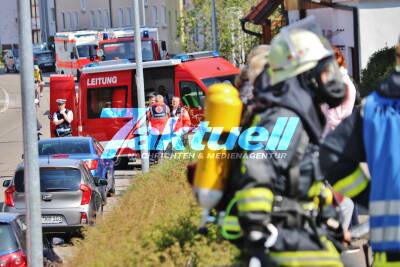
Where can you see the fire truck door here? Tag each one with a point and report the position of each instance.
(63, 87)
(106, 109)
(192, 98)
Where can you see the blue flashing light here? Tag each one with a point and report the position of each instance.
(145, 34)
(105, 36)
(182, 57)
(215, 54)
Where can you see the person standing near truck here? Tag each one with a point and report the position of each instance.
(62, 119)
(181, 119)
(158, 116)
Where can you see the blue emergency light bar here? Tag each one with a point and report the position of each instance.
(196, 55)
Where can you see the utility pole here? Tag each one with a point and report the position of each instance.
(33, 216)
(214, 25)
(140, 90)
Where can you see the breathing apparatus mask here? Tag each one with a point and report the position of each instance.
(325, 82)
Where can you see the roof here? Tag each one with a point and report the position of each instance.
(65, 138)
(52, 162)
(260, 13)
(119, 65)
(7, 217)
(210, 67)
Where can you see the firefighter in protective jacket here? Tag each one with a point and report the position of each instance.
(371, 135)
(275, 201)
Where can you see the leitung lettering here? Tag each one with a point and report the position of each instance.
(102, 81)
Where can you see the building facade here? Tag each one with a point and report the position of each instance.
(73, 15)
(9, 23)
(358, 27)
(47, 19)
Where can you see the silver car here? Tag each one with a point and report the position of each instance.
(69, 192)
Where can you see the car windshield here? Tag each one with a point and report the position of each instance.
(8, 242)
(126, 50)
(53, 180)
(42, 54)
(86, 51)
(221, 79)
(64, 147)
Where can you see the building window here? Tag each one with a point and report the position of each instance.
(76, 20)
(121, 17)
(53, 14)
(71, 21)
(83, 5)
(164, 16)
(63, 20)
(146, 3)
(128, 16)
(100, 19)
(106, 18)
(92, 19)
(154, 16)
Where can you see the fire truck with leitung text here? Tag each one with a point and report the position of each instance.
(111, 85)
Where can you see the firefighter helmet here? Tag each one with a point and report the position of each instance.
(294, 52)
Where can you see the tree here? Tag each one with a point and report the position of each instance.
(379, 66)
(234, 44)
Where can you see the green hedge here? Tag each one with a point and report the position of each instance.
(155, 224)
(379, 66)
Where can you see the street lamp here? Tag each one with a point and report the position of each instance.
(214, 25)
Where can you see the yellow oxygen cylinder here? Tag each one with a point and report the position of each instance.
(223, 108)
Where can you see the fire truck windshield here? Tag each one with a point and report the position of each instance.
(126, 50)
(221, 79)
(86, 51)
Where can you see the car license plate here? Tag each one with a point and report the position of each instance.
(52, 219)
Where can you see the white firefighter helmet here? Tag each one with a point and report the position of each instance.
(294, 51)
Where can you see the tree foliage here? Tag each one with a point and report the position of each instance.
(379, 66)
(234, 44)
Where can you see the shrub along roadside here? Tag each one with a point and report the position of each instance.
(154, 224)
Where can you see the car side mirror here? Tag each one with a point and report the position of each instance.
(6, 183)
(163, 46)
(22, 156)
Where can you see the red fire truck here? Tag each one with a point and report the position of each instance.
(111, 84)
(119, 44)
